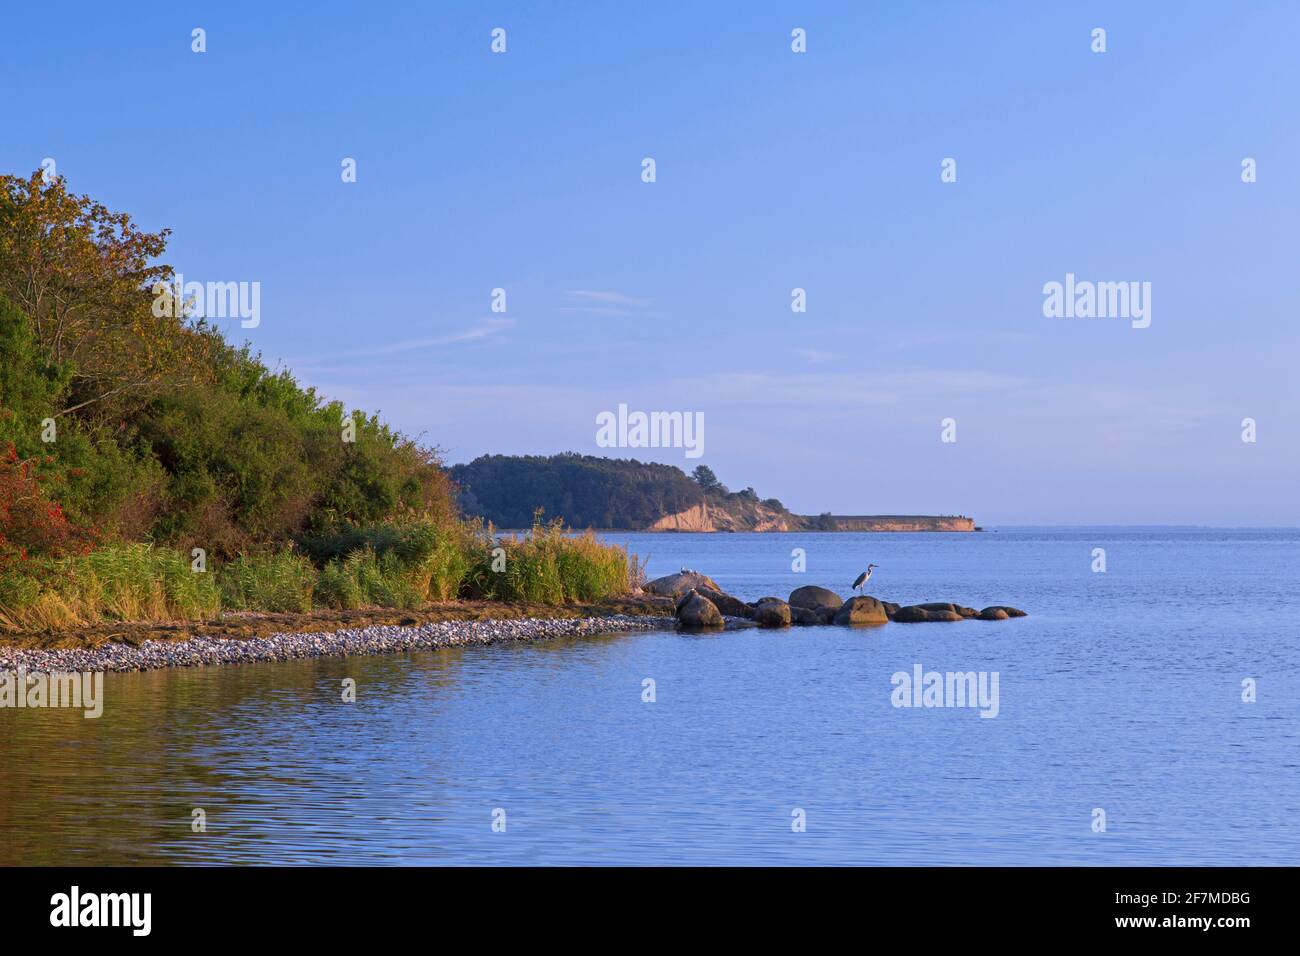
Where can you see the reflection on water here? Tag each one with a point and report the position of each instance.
(1121, 691)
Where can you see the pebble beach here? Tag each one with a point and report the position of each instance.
(376, 639)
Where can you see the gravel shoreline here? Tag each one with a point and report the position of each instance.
(375, 639)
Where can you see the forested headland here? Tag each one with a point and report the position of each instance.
(150, 469)
(629, 495)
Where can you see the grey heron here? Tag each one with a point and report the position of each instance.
(864, 577)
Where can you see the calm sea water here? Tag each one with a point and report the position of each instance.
(1122, 691)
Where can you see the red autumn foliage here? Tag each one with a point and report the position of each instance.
(31, 525)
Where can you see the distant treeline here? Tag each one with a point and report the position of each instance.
(584, 491)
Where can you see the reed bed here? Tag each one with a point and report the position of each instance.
(274, 581)
(122, 582)
(385, 566)
(552, 566)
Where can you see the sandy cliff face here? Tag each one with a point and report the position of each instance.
(749, 515)
(741, 517)
(692, 519)
(752, 516)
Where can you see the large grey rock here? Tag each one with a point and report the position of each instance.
(731, 606)
(909, 615)
(917, 613)
(954, 608)
(675, 585)
(802, 615)
(696, 611)
(772, 614)
(813, 598)
(861, 610)
(1005, 609)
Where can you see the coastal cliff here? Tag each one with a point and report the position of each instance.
(627, 495)
(702, 517)
(745, 516)
(694, 518)
(903, 523)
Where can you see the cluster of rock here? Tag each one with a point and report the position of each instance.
(702, 604)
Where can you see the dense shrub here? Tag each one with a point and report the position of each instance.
(31, 525)
(261, 460)
(166, 437)
(165, 431)
(249, 460)
(399, 564)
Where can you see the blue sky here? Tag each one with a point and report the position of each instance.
(774, 171)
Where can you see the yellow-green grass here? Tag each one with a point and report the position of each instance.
(123, 582)
(411, 567)
(552, 566)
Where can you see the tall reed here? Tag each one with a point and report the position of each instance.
(404, 565)
(272, 581)
(116, 582)
(550, 565)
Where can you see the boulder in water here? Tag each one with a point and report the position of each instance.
(917, 613)
(944, 606)
(731, 606)
(696, 611)
(675, 585)
(815, 599)
(1006, 609)
(803, 615)
(772, 614)
(861, 610)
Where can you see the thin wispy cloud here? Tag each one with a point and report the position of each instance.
(594, 310)
(594, 302)
(611, 298)
(813, 355)
(483, 330)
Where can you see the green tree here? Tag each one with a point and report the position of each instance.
(706, 479)
(165, 431)
(84, 276)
